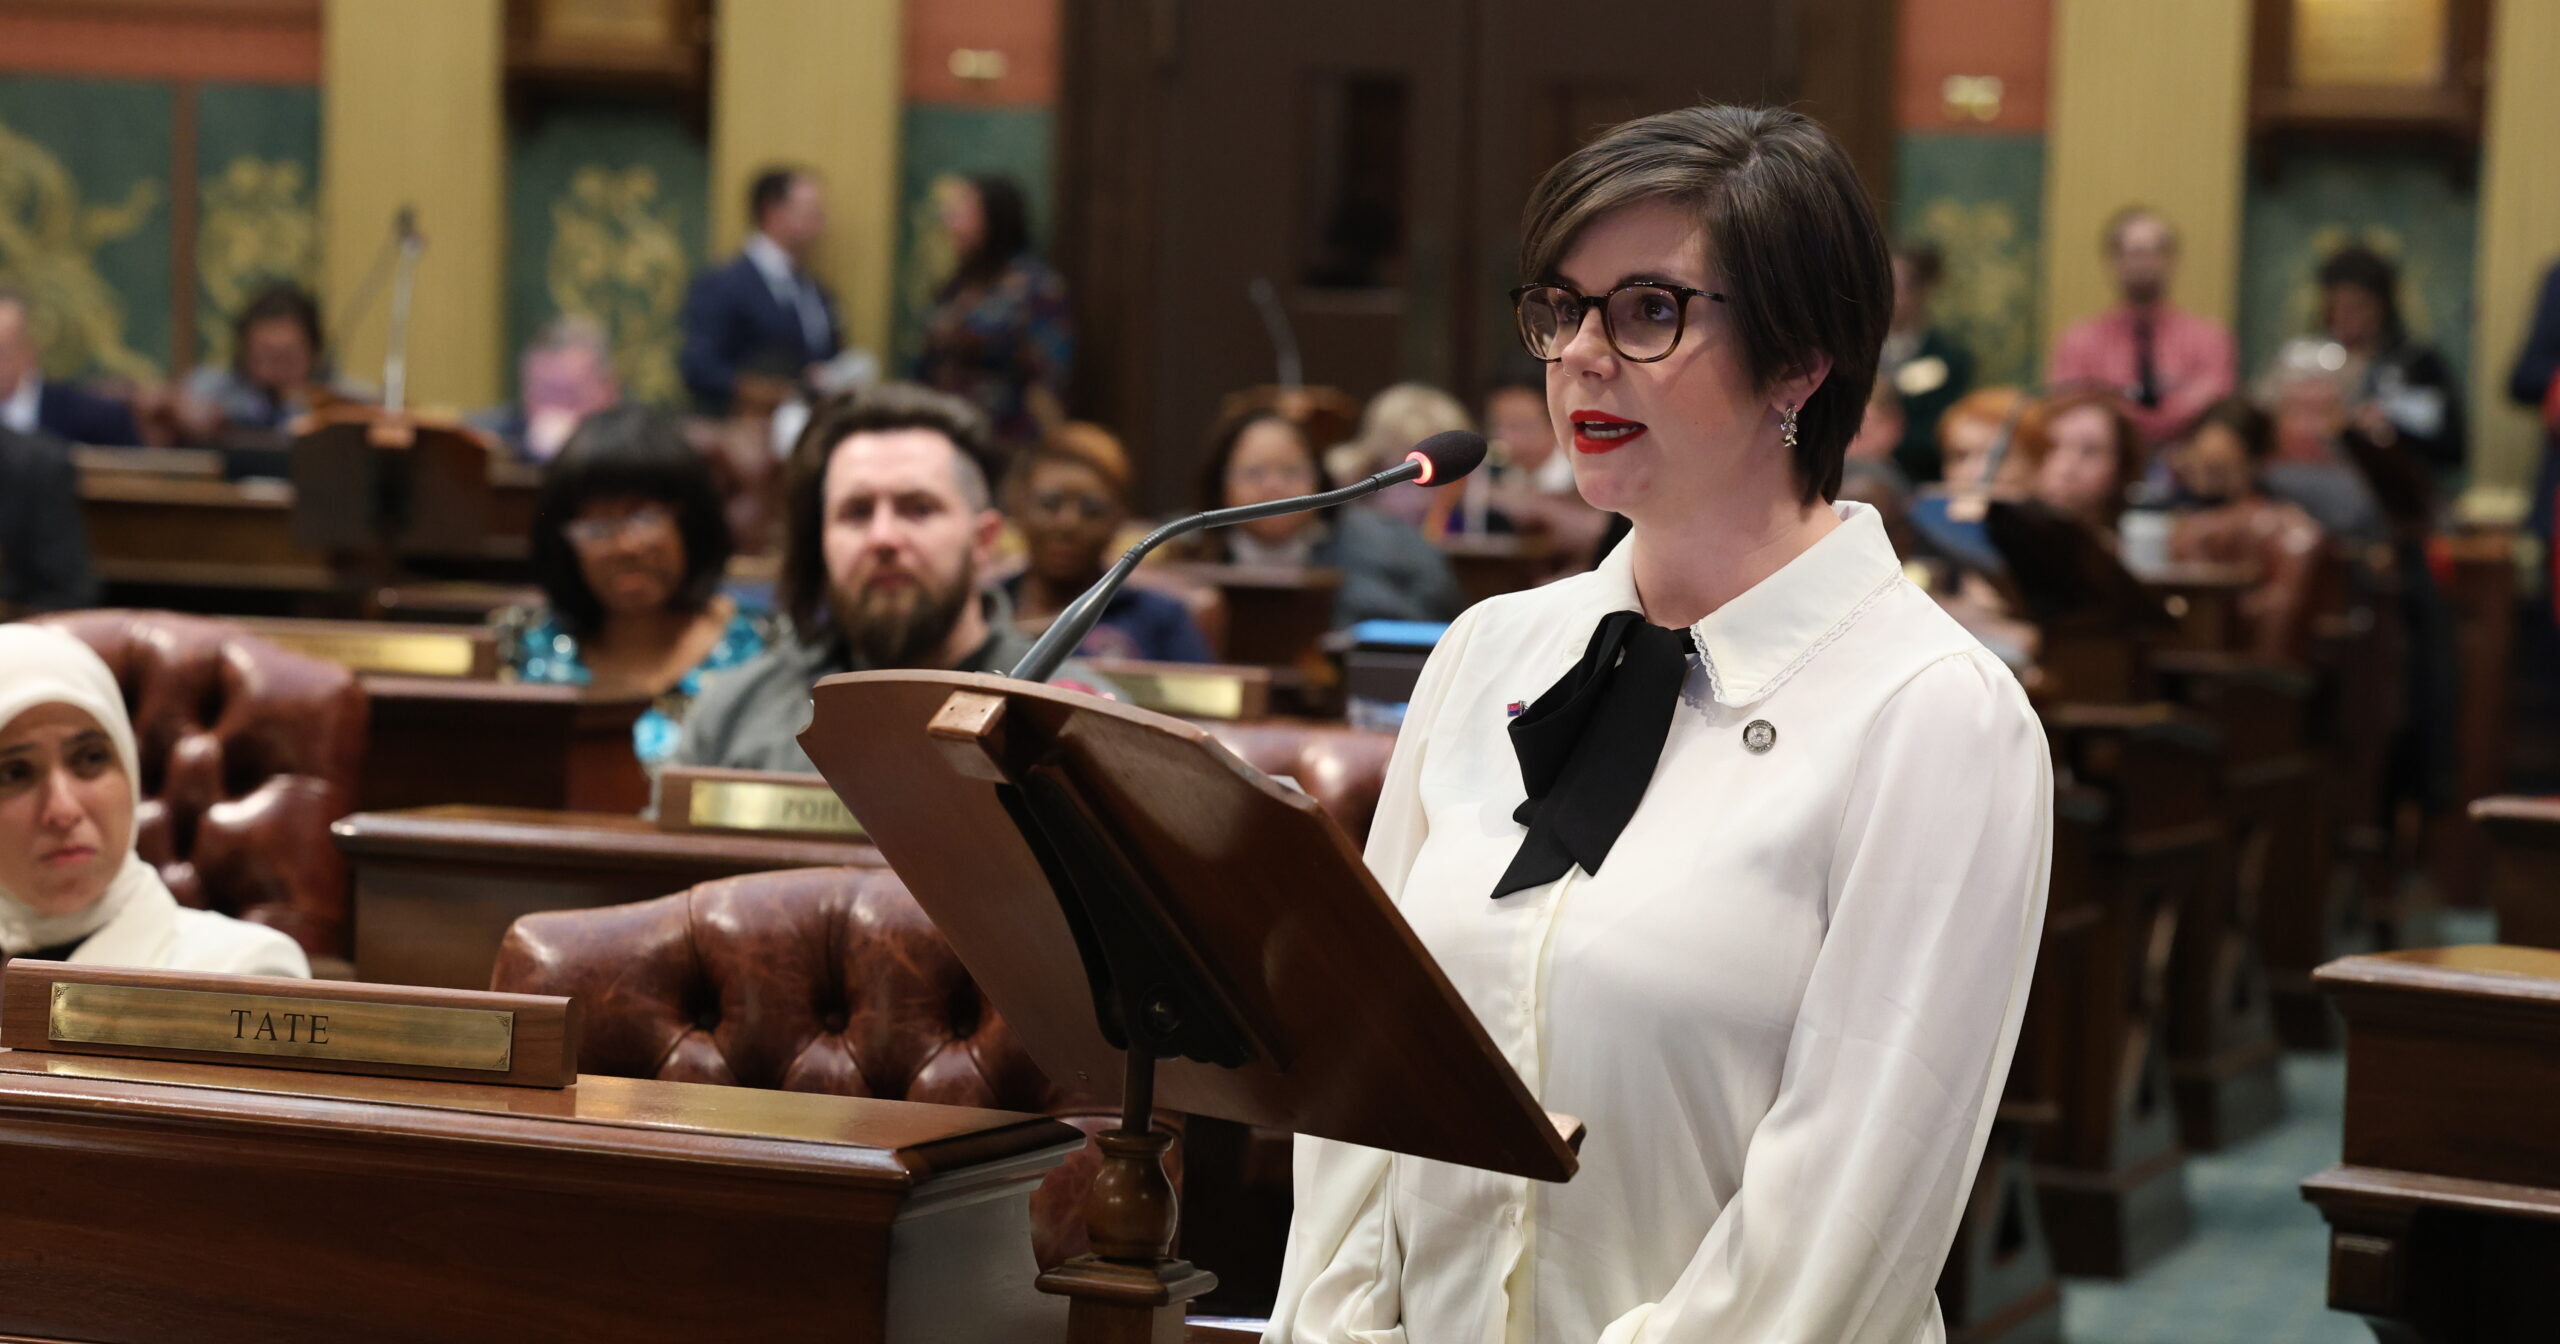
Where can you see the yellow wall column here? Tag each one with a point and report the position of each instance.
(2150, 105)
(410, 115)
(817, 83)
(2519, 231)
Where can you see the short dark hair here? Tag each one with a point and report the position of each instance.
(801, 589)
(2255, 428)
(2111, 236)
(1792, 229)
(1229, 432)
(282, 299)
(2360, 267)
(770, 188)
(1007, 234)
(626, 452)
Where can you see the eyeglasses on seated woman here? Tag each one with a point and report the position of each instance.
(629, 545)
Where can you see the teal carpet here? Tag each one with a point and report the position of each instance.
(2255, 1270)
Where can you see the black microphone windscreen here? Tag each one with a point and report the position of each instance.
(1448, 455)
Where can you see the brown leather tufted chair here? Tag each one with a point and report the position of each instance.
(248, 753)
(1343, 769)
(808, 980)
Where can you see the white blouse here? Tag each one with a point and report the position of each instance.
(1784, 1008)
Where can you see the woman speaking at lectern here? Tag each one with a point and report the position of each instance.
(1736, 845)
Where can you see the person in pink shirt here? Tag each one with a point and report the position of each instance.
(2167, 363)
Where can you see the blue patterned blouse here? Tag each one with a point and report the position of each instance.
(540, 650)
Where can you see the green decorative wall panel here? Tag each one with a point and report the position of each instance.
(937, 141)
(257, 201)
(1981, 199)
(605, 218)
(84, 219)
(2402, 203)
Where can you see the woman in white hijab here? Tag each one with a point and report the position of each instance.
(71, 886)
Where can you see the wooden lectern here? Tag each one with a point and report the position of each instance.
(1142, 906)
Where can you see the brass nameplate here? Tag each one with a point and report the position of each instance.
(414, 655)
(255, 1024)
(1199, 695)
(755, 805)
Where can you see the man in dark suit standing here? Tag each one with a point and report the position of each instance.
(44, 551)
(29, 404)
(763, 312)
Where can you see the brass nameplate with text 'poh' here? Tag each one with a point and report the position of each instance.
(755, 805)
(255, 1024)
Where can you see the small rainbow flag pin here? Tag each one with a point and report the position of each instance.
(1514, 709)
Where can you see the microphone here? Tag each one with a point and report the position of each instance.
(1438, 460)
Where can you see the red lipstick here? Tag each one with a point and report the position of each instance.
(1599, 431)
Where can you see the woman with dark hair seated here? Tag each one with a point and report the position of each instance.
(629, 544)
(279, 371)
(2092, 456)
(1069, 496)
(2229, 518)
(1389, 572)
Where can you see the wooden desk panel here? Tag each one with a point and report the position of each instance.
(200, 1204)
(437, 888)
(2444, 1212)
(2524, 866)
(435, 740)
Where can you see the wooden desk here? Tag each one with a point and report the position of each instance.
(436, 888)
(167, 533)
(1275, 614)
(2524, 867)
(503, 744)
(2483, 596)
(2205, 600)
(384, 647)
(2444, 1212)
(211, 1204)
(1489, 566)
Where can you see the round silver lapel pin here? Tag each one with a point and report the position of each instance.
(1758, 736)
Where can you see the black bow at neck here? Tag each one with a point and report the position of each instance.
(1589, 745)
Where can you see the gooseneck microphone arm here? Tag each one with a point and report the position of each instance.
(1434, 463)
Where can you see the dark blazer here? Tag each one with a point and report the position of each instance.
(44, 550)
(75, 416)
(732, 320)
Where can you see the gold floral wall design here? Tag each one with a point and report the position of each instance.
(617, 259)
(1986, 298)
(257, 225)
(49, 240)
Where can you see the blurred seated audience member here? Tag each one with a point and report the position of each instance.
(72, 887)
(2167, 363)
(888, 524)
(999, 335)
(2093, 455)
(629, 544)
(2403, 396)
(2313, 465)
(1394, 421)
(31, 405)
(44, 547)
(277, 373)
(1389, 572)
(1923, 365)
(763, 306)
(2226, 517)
(1995, 419)
(1526, 453)
(1526, 485)
(1070, 494)
(564, 376)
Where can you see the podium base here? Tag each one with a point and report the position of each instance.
(1115, 1302)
